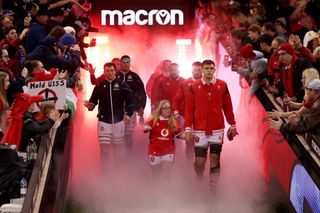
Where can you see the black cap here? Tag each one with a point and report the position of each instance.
(43, 11)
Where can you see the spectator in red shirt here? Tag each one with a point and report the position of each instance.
(38, 73)
(291, 73)
(299, 50)
(273, 65)
(13, 43)
(93, 79)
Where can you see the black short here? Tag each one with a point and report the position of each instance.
(215, 149)
(200, 152)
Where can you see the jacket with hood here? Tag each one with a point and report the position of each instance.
(45, 52)
(36, 34)
(259, 64)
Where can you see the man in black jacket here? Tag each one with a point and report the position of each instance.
(137, 86)
(140, 98)
(34, 128)
(116, 105)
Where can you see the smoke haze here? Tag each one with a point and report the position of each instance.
(123, 182)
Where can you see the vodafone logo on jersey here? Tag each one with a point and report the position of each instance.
(142, 17)
(164, 132)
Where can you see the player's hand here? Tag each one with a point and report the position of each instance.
(189, 137)
(89, 105)
(232, 132)
(127, 119)
(147, 128)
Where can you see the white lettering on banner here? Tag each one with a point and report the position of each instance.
(142, 17)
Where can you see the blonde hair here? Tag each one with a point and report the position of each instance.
(309, 74)
(172, 122)
(3, 96)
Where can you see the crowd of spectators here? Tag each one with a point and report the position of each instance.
(40, 40)
(270, 44)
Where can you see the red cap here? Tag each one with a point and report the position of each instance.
(247, 52)
(286, 47)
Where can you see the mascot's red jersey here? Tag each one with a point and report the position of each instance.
(162, 137)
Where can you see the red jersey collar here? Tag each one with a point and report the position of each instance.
(214, 80)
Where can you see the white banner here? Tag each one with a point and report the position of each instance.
(53, 91)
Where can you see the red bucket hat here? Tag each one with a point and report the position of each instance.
(247, 52)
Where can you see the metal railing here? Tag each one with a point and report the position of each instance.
(306, 146)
